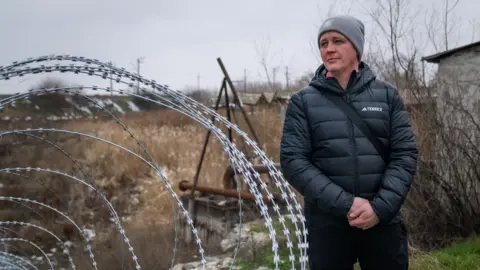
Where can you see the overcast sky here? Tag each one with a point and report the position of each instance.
(179, 39)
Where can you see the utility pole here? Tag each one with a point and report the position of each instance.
(139, 61)
(198, 81)
(273, 76)
(287, 78)
(111, 81)
(245, 80)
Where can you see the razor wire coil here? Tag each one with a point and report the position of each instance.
(180, 103)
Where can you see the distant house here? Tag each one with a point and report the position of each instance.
(458, 77)
(283, 97)
(457, 87)
(453, 56)
(250, 101)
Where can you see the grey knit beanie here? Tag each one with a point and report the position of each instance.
(351, 27)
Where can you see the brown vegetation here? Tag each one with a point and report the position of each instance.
(174, 141)
(443, 204)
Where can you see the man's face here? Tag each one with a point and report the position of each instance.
(337, 52)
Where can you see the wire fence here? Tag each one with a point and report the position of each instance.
(12, 258)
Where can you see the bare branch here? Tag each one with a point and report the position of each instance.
(473, 24)
(448, 23)
(315, 51)
(432, 27)
(265, 59)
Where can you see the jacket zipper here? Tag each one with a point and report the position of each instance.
(354, 148)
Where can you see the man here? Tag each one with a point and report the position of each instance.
(352, 196)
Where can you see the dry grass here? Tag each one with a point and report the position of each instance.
(172, 140)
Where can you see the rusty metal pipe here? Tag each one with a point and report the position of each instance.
(185, 185)
(230, 173)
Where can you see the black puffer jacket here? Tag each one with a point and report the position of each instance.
(329, 161)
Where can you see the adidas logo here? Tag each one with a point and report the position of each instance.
(372, 109)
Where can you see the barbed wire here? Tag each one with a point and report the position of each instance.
(26, 224)
(81, 232)
(16, 239)
(17, 260)
(176, 101)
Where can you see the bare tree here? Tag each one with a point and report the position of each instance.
(395, 20)
(444, 201)
(475, 29)
(51, 83)
(265, 58)
(445, 24)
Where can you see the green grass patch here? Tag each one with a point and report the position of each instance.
(464, 255)
(265, 256)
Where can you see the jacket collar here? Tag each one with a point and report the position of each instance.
(358, 80)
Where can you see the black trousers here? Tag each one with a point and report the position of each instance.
(383, 247)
